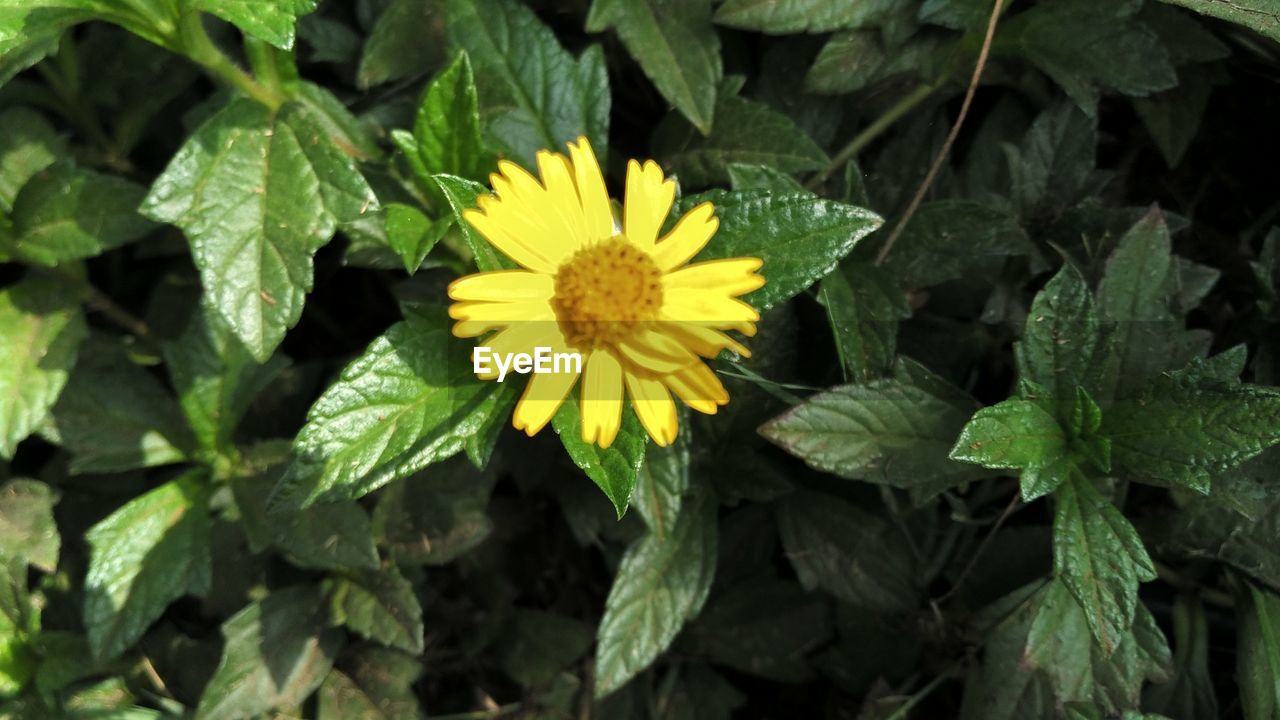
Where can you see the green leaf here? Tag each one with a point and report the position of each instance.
(745, 131)
(327, 536)
(1064, 344)
(1173, 117)
(412, 235)
(613, 469)
(847, 63)
(676, 46)
(216, 377)
(28, 144)
(257, 192)
(278, 650)
(896, 431)
(435, 516)
(27, 529)
(410, 400)
(1017, 434)
(65, 214)
(1258, 641)
(462, 194)
(114, 415)
(800, 237)
(1184, 432)
(1190, 694)
(446, 130)
(271, 21)
(661, 583)
(396, 47)
(662, 482)
(864, 306)
(40, 329)
(947, 238)
(380, 605)
(29, 30)
(1100, 558)
(1260, 15)
(533, 94)
(856, 556)
(148, 553)
(744, 176)
(537, 645)
(780, 17)
(1054, 167)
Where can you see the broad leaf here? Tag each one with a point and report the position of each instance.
(28, 144)
(614, 468)
(27, 528)
(1017, 434)
(1260, 15)
(446, 131)
(533, 94)
(150, 552)
(676, 46)
(277, 651)
(412, 235)
(65, 214)
(257, 192)
(396, 47)
(661, 583)
(271, 21)
(410, 400)
(40, 330)
(864, 307)
(800, 237)
(380, 605)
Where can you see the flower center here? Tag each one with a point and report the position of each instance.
(603, 291)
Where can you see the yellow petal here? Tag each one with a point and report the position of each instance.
(542, 396)
(648, 200)
(601, 399)
(518, 245)
(699, 388)
(732, 276)
(689, 236)
(703, 340)
(654, 407)
(503, 286)
(591, 190)
(503, 313)
(562, 197)
(520, 338)
(707, 307)
(655, 352)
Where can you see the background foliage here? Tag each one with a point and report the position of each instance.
(1001, 451)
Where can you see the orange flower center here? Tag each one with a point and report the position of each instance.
(603, 291)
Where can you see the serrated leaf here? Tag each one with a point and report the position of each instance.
(662, 482)
(1260, 15)
(65, 214)
(676, 46)
(435, 516)
(380, 605)
(148, 553)
(1100, 558)
(533, 94)
(114, 415)
(1184, 432)
(27, 528)
(410, 400)
(271, 21)
(852, 554)
(945, 238)
(412, 235)
(790, 16)
(257, 192)
(614, 469)
(894, 431)
(446, 129)
(216, 377)
(461, 195)
(395, 48)
(1017, 434)
(799, 236)
(661, 583)
(745, 131)
(277, 651)
(41, 327)
(864, 306)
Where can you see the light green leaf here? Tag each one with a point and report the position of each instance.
(380, 605)
(446, 130)
(271, 21)
(533, 94)
(1260, 15)
(65, 214)
(780, 17)
(435, 516)
(278, 650)
(864, 306)
(676, 46)
(1100, 558)
(28, 144)
(412, 235)
(462, 194)
(29, 30)
(257, 192)
(799, 236)
(409, 401)
(613, 469)
(148, 553)
(661, 583)
(40, 330)
(27, 529)
(114, 415)
(852, 554)
(745, 131)
(1017, 434)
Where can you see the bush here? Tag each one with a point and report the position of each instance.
(1000, 450)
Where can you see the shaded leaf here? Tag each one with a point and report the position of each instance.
(380, 605)
(613, 469)
(65, 214)
(271, 21)
(27, 529)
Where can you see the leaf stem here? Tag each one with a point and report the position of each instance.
(194, 42)
(99, 301)
(904, 105)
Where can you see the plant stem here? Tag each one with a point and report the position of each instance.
(193, 42)
(99, 301)
(904, 105)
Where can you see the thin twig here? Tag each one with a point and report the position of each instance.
(981, 65)
(100, 302)
(1009, 509)
(872, 131)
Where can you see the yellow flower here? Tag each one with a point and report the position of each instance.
(626, 301)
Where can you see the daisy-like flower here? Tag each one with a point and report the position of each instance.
(626, 301)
